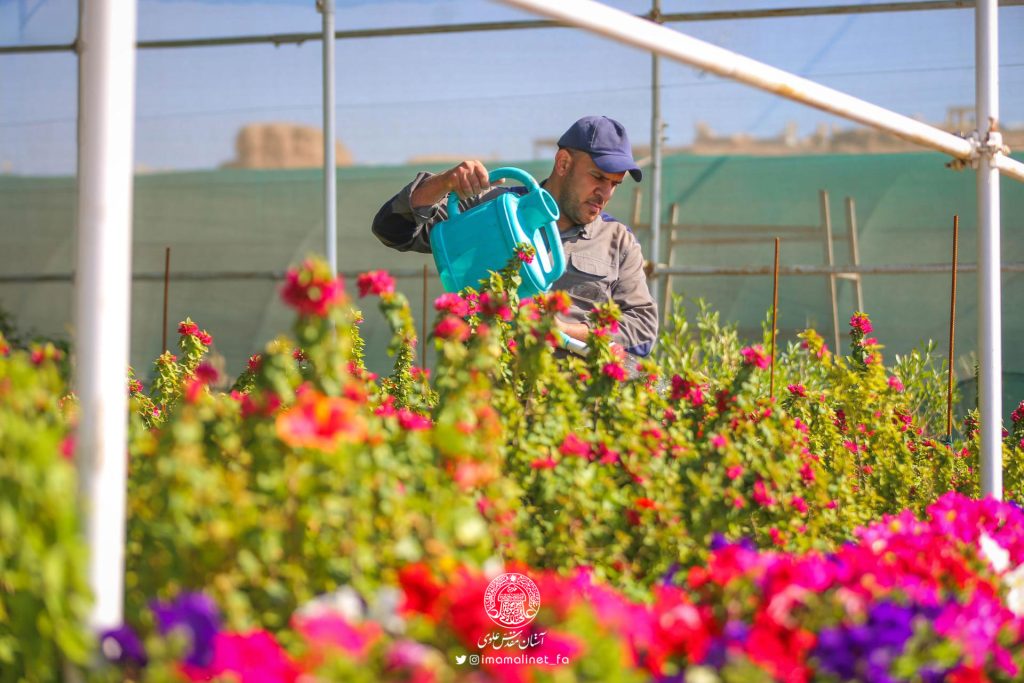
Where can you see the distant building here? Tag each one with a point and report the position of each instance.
(283, 145)
(824, 140)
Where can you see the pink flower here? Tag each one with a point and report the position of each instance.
(312, 289)
(207, 374)
(253, 657)
(411, 421)
(375, 282)
(895, 384)
(547, 463)
(860, 323)
(685, 389)
(525, 253)
(495, 305)
(761, 495)
(452, 303)
(204, 338)
(797, 390)
(719, 441)
(574, 445)
(1018, 414)
(451, 327)
(734, 472)
(799, 504)
(187, 328)
(755, 356)
(615, 371)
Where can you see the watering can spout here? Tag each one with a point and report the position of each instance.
(537, 208)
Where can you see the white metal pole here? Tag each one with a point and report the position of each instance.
(330, 173)
(656, 159)
(646, 35)
(986, 35)
(106, 119)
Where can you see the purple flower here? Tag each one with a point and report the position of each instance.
(198, 616)
(719, 541)
(121, 646)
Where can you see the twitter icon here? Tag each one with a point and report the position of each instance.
(460, 659)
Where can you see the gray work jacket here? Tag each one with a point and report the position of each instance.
(603, 260)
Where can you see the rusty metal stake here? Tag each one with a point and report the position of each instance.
(423, 336)
(952, 333)
(775, 316)
(167, 285)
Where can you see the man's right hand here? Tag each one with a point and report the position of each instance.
(467, 179)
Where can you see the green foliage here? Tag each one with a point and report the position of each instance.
(44, 597)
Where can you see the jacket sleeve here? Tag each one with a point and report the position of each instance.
(401, 226)
(638, 327)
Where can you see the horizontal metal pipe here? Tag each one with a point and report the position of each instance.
(886, 269)
(278, 39)
(647, 35)
(405, 273)
(187, 276)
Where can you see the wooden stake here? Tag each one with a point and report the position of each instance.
(775, 318)
(423, 335)
(167, 285)
(952, 333)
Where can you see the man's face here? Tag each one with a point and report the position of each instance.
(586, 189)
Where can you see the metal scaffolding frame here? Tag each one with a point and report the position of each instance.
(104, 47)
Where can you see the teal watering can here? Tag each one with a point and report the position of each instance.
(484, 238)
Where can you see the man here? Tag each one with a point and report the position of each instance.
(603, 257)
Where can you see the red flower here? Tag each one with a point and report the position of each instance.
(421, 590)
(797, 390)
(187, 328)
(452, 303)
(615, 371)
(323, 422)
(375, 282)
(255, 360)
(204, 338)
(547, 463)
(312, 289)
(645, 503)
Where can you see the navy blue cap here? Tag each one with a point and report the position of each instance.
(606, 142)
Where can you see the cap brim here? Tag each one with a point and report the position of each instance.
(615, 163)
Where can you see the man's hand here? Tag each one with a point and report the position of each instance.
(466, 180)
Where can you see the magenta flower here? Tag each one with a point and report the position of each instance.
(860, 323)
(452, 303)
(450, 327)
(895, 384)
(797, 390)
(312, 289)
(755, 356)
(375, 282)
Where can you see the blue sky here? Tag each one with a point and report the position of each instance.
(487, 94)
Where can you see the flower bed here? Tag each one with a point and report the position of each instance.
(675, 518)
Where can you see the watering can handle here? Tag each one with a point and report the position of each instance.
(506, 172)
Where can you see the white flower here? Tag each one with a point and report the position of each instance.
(1015, 597)
(996, 555)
